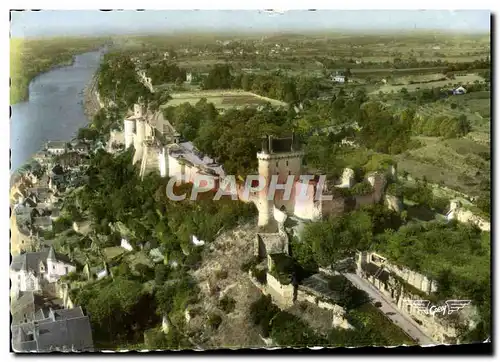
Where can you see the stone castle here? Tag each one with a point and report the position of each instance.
(158, 148)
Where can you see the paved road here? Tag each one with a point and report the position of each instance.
(402, 321)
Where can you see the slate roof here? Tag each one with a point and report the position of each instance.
(81, 146)
(42, 221)
(41, 194)
(31, 261)
(187, 152)
(64, 329)
(30, 307)
(56, 145)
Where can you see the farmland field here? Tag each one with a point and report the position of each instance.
(457, 163)
(222, 99)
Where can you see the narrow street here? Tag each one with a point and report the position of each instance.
(391, 311)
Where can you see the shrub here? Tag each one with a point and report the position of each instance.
(144, 271)
(161, 274)
(214, 321)
(249, 264)
(261, 313)
(227, 304)
(221, 274)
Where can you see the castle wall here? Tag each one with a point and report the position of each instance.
(282, 294)
(175, 169)
(411, 277)
(163, 162)
(129, 130)
(305, 207)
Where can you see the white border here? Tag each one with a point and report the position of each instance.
(186, 4)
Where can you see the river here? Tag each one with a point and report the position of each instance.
(54, 110)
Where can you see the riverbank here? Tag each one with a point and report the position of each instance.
(90, 100)
(20, 84)
(32, 57)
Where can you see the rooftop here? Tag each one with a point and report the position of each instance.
(188, 152)
(272, 144)
(56, 145)
(31, 261)
(61, 330)
(42, 221)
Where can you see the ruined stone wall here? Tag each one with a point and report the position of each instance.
(285, 292)
(335, 207)
(466, 216)
(411, 277)
(338, 313)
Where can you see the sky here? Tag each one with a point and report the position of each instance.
(95, 22)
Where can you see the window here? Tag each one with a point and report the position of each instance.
(277, 162)
(287, 163)
(66, 270)
(53, 266)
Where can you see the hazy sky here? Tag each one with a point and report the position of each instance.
(92, 22)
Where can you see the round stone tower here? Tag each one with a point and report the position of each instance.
(280, 157)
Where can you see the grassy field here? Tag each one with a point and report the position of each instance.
(387, 88)
(28, 58)
(222, 99)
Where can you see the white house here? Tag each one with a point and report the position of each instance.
(339, 78)
(459, 90)
(126, 245)
(56, 147)
(30, 272)
(197, 241)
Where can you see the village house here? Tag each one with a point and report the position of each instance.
(459, 91)
(31, 272)
(338, 78)
(65, 330)
(56, 147)
(42, 223)
(81, 148)
(28, 306)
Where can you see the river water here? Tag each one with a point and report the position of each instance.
(54, 110)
